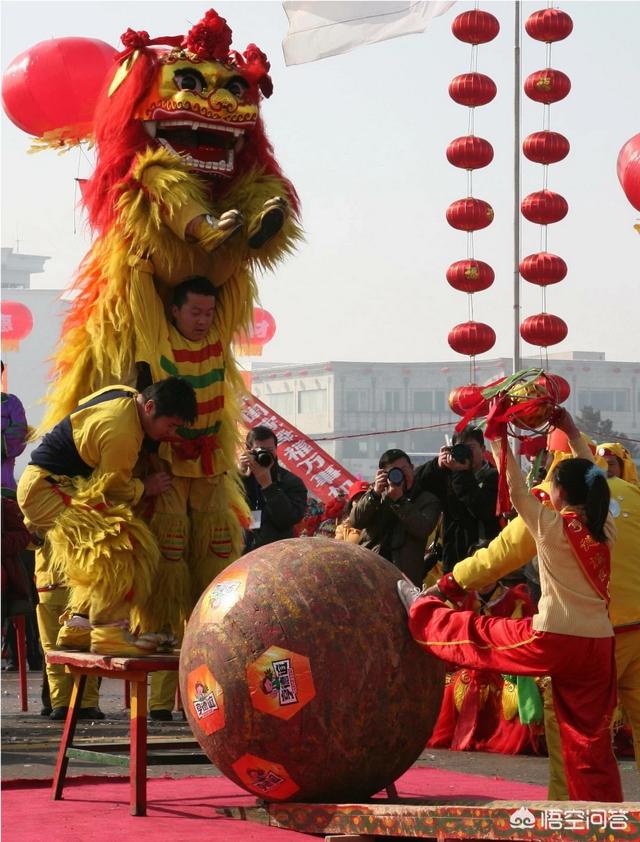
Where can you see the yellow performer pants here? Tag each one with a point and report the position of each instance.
(51, 605)
(199, 534)
(628, 681)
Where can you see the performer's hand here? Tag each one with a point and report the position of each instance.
(156, 484)
(434, 590)
(563, 421)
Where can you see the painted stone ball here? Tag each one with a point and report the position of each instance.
(299, 677)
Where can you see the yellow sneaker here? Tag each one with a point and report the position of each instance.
(74, 634)
(116, 640)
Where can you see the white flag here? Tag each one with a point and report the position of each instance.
(322, 28)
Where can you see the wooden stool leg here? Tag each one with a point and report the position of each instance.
(62, 762)
(138, 763)
(127, 695)
(21, 647)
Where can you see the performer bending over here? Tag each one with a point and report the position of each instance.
(571, 637)
(77, 496)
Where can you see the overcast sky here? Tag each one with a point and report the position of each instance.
(363, 138)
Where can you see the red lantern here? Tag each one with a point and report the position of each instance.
(464, 398)
(545, 147)
(470, 275)
(470, 152)
(557, 387)
(544, 207)
(56, 83)
(472, 89)
(17, 323)
(549, 25)
(469, 214)
(262, 330)
(475, 27)
(547, 86)
(543, 268)
(629, 170)
(471, 338)
(543, 329)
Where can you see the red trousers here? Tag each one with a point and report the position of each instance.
(584, 681)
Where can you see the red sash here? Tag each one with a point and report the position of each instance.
(203, 448)
(594, 557)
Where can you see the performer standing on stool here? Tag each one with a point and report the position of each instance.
(77, 496)
(571, 637)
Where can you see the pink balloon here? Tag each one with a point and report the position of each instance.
(56, 83)
(629, 170)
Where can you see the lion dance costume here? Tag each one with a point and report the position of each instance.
(185, 183)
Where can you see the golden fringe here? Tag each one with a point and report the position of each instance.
(104, 554)
(509, 698)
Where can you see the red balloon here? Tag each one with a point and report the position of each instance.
(470, 152)
(470, 275)
(472, 89)
(545, 147)
(544, 207)
(547, 86)
(543, 268)
(469, 214)
(471, 338)
(475, 27)
(629, 170)
(56, 83)
(464, 398)
(17, 321)
(549, 25)
(543, 329)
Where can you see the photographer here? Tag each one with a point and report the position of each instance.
(467, 487)
(396, 516)
(276, 497)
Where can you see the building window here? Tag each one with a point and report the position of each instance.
(355, 448)
(392, 400)
(312, 402)
(423, 401)
(440, 400)
(357, 400)
(604, 400)
(281, 402)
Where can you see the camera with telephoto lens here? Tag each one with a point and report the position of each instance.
(460, 453)
(395, 476)
(263, 457)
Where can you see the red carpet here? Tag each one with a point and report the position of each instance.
(96, 809)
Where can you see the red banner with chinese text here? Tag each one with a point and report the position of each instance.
(324, 477)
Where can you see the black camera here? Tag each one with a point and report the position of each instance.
(461, 453)
(395, 476)
(263, 457)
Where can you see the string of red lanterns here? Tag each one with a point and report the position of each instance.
(544, 207)
(470, 214)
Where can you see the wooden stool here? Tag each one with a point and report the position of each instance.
(134, 671)
(19, 625)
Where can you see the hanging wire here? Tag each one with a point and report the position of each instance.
(75, 191)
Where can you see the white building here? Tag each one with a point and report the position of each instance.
(359, 410)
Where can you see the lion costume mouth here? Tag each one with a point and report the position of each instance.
(202, 146)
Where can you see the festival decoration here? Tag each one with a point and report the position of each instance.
(464, 398)
(629, 170)
(547, 86)
(470, 214)
(55, 84)
(545, 207)
(17, 324)
(278, 646)
(250, 342)
(543, 329)
(543, 268)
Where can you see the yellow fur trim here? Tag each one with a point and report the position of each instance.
(105, 553)
(509, 700)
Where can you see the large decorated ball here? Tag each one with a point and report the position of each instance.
(299, 677)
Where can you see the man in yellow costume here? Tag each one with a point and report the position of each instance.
(515, 546)
(77, 496)
(619, 461)
(198, 520)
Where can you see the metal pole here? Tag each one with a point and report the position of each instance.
(516, 188)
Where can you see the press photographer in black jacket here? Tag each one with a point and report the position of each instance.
(276, 497)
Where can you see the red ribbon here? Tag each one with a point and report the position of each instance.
(202, 448)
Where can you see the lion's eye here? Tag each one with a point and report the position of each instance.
(237, 86)
(189, 80)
